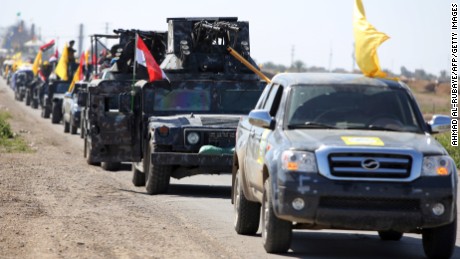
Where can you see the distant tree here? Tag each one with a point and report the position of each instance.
(406, 73)
(339, 70)
(443, 76)
(317, 69)
(299, 66)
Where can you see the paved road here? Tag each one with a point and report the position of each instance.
(203, 203)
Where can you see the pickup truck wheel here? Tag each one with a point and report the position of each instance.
(138, 176)
(276, 233)
(66, 127)
(439, 242)
(157, 175)
(110, 166)
(390, 235)
(246, 213)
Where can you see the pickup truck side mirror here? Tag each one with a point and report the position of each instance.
(261, 118)
(82, 96)
(439, 123)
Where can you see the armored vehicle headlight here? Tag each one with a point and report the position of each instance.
(299, 161)
(193, 138)
(436, 165)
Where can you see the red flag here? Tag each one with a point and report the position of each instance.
(145, 58)
(80, 66)
(47, 46)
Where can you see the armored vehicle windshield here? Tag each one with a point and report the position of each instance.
(223, 97)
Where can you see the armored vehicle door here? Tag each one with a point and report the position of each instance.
(114, 122)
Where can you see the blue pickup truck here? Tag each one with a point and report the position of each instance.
(342, 151)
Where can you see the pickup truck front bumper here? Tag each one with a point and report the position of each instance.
(362, 205)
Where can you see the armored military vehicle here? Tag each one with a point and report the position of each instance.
(104, 117)
(183, 125)
(53, 95)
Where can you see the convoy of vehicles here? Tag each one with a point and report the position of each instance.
(306, 151)
(338, 151)
(71, 110)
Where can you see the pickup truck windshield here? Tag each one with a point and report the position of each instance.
(351, 107)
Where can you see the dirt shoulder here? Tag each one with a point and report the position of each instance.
(53, 205)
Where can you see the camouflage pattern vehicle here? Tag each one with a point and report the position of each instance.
(22, 78)
(53, 95)
(184, 125)
(104, 116)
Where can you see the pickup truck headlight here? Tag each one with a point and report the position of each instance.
(299, 161)
(436, 165)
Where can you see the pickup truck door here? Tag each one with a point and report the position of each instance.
(257, 142)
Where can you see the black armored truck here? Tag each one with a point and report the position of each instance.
(185, 124)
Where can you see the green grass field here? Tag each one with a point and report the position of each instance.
(10, 142)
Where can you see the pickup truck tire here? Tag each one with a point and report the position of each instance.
(138, 176)
(66, 127)
(276, 233)
(158, 176)
(390, 235)
(246, 213)
(439, 242)
(110, 166)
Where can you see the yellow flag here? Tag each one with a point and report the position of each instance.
(37, 62)
(367, 40)
(75, 79)
(61, 67)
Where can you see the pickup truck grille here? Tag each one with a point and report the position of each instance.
(370, 165)
(369, 204)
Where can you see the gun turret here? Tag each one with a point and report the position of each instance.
(200, 45)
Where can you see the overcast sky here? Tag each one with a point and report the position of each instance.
(320, 32)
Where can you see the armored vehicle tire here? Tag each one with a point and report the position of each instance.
(390, 235)
(73, 128)
(276, 233)
(246, 213)
(28, 99)
(45, 113)
(82, 128)
(138, 176)
(87, 154)
(34, 104)
(439, 242)
(55, 117)
(66, 127)
(110, 166)
(158, 176)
